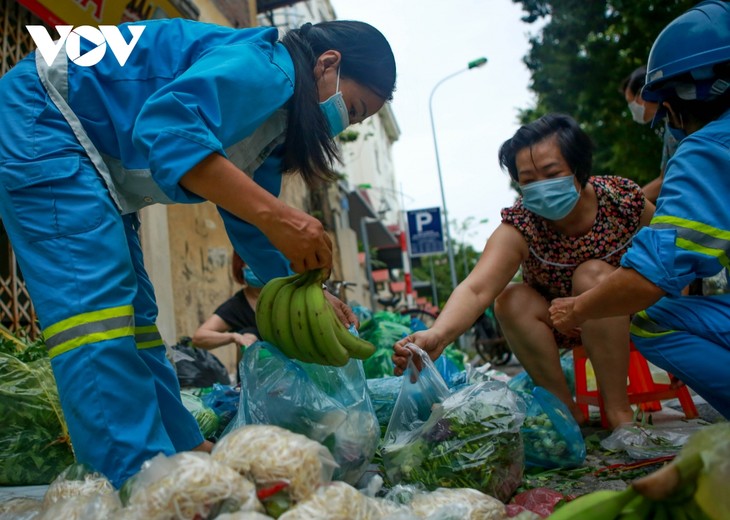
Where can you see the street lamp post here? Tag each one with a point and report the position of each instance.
(450, 247)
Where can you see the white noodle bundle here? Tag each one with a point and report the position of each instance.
(20, 508)
(83, 507)
(268, 454)
(63, 487)
(335, 501)
(188, 485)
(477, 505)
(243, 515)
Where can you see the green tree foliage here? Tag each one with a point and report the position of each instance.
(577, 61)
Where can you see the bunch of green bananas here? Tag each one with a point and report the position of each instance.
(686, 489)
(293, 314)
(629, 504)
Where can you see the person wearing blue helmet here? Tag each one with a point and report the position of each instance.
(688, 74)
(198, 112)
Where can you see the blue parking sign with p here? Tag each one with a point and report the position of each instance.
(425, 232)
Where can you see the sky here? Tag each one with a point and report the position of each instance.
(474, 112)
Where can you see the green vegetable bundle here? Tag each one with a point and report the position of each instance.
(471, 440)
(34, 442)
(207, 419)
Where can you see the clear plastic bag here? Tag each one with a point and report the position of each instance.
(188, 485)
(327, 404)
(207, 419)
(270, 454)
(419, 392)
(383, 394)
(76, 480)
(551, 436)
(335, 501)
(469, 439)
(83, 507)
(443, 504)
(20, 508)
(648, 442)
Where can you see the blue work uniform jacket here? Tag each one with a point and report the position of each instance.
(689, 235)
(188, 89)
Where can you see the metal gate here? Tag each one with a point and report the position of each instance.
(16, 309)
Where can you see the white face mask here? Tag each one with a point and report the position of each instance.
(637, 112)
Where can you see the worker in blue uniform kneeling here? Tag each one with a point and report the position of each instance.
(198, 112)
(688, 74)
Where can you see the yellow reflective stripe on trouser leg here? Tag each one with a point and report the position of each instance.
(148, 337)
(89, 327)
(644, 327)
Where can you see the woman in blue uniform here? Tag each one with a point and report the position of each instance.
(689, 235)
(198, 112)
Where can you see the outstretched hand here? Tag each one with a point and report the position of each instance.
(563, 315)
(425, 339)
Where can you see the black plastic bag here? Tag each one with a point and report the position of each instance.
(196, 367)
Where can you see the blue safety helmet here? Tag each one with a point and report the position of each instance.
(691, 44)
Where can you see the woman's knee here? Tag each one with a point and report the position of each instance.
(517, 301)
(589, 274)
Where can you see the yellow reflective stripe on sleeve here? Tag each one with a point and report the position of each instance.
(89, 327)
(697, 237)
(644, 327)
(697, 248)
(148, 337)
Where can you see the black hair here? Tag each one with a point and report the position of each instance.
(575, 145)
(366, 58)
(634, 81)
(702, 110)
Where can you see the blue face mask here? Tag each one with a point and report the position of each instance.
(552, 199)
(335, 110)
(251, 279)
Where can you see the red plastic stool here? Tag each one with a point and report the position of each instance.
(642, 388)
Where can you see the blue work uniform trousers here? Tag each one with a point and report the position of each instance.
(82, 263)
(689, 337)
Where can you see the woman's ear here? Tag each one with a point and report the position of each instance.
(328, 59)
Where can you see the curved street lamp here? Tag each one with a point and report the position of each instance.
(450, 247)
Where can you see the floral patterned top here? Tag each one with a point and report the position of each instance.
(554, 256)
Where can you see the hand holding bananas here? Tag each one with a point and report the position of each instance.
(293, 314)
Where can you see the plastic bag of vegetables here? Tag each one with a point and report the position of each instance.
(327, 404)
(188, 485)
(269, 454)
(550, 434)
(470, 440)
(34, 441)
(206, 418)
